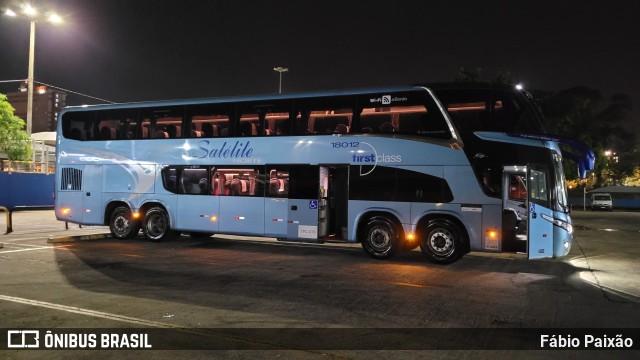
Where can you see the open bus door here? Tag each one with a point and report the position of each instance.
(526, 199)
(514, 209)
(540, 215)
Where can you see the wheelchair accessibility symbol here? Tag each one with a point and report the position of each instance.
(313, 204)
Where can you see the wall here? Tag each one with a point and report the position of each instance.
(26, 189)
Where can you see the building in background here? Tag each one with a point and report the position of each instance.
(47, 104)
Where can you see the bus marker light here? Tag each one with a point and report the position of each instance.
(135, 215)
(411, 237)
(66, 211)
(214, 218)
(492, 234)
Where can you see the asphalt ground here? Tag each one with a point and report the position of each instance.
(79, 278)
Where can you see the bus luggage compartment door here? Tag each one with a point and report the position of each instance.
(540, 216)
(275, 222)
(303, 219)
(92, 195)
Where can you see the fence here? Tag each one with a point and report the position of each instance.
(25, 191)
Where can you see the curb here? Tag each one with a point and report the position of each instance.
(72, 238)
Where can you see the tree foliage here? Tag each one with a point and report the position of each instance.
(582, 113)
(14, 141)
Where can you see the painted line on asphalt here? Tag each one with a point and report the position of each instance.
(22, 250)
(623, 294)
(86, 312)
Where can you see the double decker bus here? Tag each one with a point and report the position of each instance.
(392, 168)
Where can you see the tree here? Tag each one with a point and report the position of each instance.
(14, 141)
(468, 75)
(578, 113)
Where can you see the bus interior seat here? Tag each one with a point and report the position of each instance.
(239, 187)
(374, 121)
(160, 135)
(173, 131)
(219, 184)
(387, 127)
(277, 185)
(107, 133)
(209, 130)
(341, 129)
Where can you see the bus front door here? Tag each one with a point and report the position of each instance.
(303, 203)
(514, 209)
(540, 215)
(333, 202)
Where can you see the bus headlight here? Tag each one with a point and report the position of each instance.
(560, 223)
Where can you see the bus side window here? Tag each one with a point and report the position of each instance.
(239, 182)
(169, 179)
(330, 124)
(376, 123)
(194, 181)
(278, 183)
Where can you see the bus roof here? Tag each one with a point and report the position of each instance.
(263, 97)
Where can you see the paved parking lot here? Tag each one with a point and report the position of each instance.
(228, 283)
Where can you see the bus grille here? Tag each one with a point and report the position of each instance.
(71, 179)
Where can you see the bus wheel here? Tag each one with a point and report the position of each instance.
(122, 225)
(442, 242)
(380, 238)
(156, 225)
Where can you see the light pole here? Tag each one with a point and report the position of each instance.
(280, 69)
(31, 14)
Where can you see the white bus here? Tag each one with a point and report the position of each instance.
(388, 168)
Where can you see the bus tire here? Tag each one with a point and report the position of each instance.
(380, 237)
(442, 241)
(122, 225)
(156, 225)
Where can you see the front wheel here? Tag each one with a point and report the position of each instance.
(122, 225)
(442, 241)
(156, 225)
(380, 237)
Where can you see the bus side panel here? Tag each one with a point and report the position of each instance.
(276, 212)
(359, 208)
(135, 178)
(491, 221)
(241, 215)
(197, 213)
(70, 200)
(303, 219)
(92, 208)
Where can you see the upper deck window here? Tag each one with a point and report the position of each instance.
(490, 110)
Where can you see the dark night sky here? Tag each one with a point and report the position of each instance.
(151, 50)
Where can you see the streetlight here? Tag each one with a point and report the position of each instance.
(32, 14)
(280, 69)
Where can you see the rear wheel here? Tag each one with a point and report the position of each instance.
(156, 225)
(442, 241)
(380, 238)
(122, 225)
